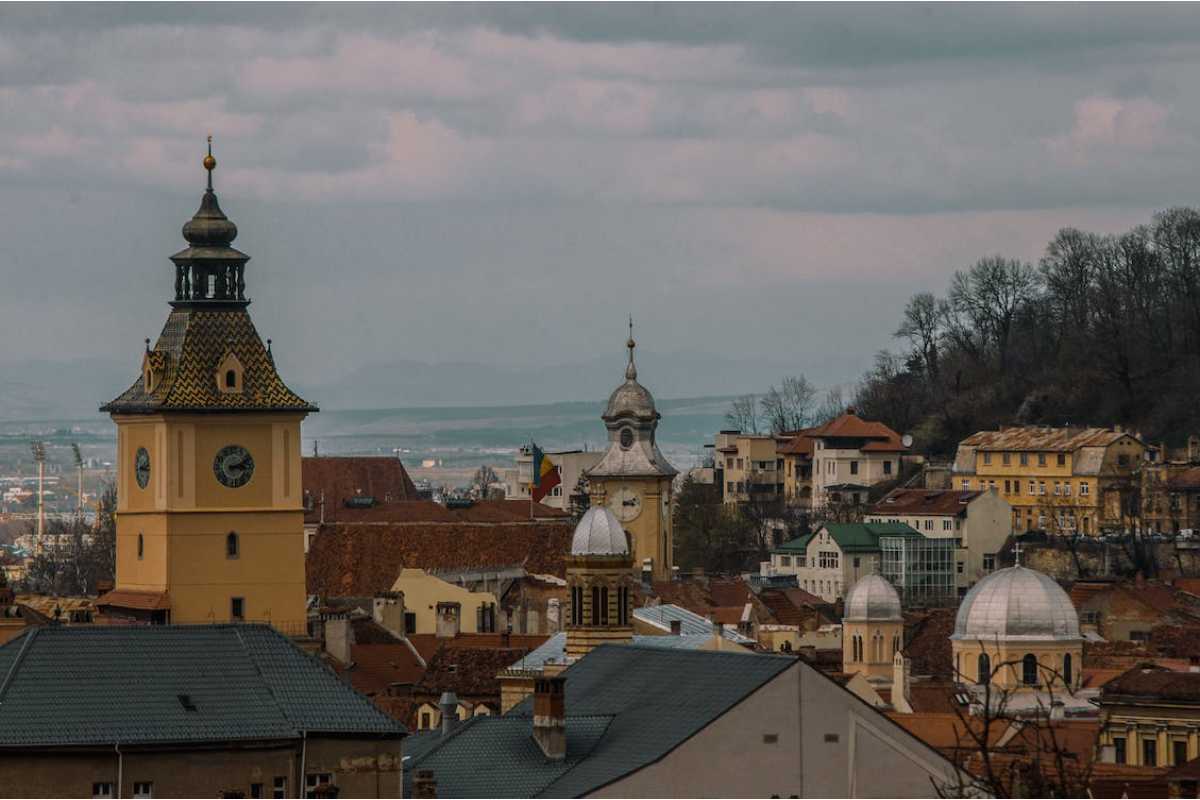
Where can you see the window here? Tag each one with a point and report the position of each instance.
(410, 622)
(1041, 487)
(966, 484)
(827, 559)
(856, 560)
(1029, 670)
(1041, 459)
(141, 546)
(1057, 488)
(1016, 487)
(1119, 749)
(1007, 487)
(739, 463)
(280, 786)
(984, 665)
(1005, 458)
(1149, 753)
(576, 605)
(1123, 460)
(853, 467)
(987, 458)
(486, 618)
(1033, 487)
(231, 545)
(314, 780)
(1083, 489)
(143, 789)
(1024, 459)
(1062, 459)
(1179, 752)
(623, 605)
(729, 487)
(256, 790)
(237, 608)
(426, 724)
(928, 524)
(887, 467)
(595, 605)
(1067, 488)
(961, 567)
(102, 790)
(729, 463)
(1067, 669)
(946, 525)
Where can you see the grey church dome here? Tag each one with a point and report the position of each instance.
(872, 599)
(599, 533)
(630, 398)
(1016, 604)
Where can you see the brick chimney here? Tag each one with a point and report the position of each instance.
(549, 716)
(387, 609)
(339, 636)
(424, 786)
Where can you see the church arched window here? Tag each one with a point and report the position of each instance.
(141, 545)
(576, 605)
(984, 675)
(1067, 669)
(232, 545)
(623, 605)
(1029, 670)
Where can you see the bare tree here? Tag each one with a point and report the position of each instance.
(833, 404)
(743, 414)
(922, 325)
(482, 480)
(789, 407)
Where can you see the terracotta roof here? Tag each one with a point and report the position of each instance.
(933, 502)
(1038, 438)
(850, 426)
(1188, 479)
(376, 667)
(365, 559)
(469, 672)
(340, 478)
(929, 643)
(932, 696)
(1153, 682)
(793, 606)
(727, 615)
(137, 600)
(420, 511)
(801, 443)
(193, 343)
(729, 592)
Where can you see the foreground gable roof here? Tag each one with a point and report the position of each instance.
(627, 706)
(105, 685)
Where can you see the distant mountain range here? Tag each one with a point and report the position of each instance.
(40, 390)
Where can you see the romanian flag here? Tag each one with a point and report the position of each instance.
(545, 475)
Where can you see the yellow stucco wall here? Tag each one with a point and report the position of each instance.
(184, 515)
(652, 532)
(422, 593)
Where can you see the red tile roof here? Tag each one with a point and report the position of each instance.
(1031, 437)
(1153, 682)
(133, 599)
(800, 444)
(852, 426)
(933, 502)
(429, 511)
(929, 643)
(339, 478)
(365, 559)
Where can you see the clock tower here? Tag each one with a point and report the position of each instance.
(210, 524)
(634, 478)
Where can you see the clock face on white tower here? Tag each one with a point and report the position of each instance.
(626, 504)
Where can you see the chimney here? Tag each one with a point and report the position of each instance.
(901, 684)
(448, 705)
(388, 611)
(1057, 710)
(339, 636)
(549, 716)
(647, 570)
(424, 786)
(676, 627)
(553, 615)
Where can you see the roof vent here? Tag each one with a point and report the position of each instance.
(185, 700)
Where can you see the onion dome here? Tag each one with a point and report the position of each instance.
(872, 599)
(599, 533)
(209, 227)
(631, 399)
(1016, 604)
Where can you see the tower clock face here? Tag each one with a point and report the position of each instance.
(626, 504)
(141, 467)
(233, 466)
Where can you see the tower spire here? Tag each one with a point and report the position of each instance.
(631, 369)
(210, 163)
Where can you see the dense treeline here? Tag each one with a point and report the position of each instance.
(1105, 330)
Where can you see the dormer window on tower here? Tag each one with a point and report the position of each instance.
(229, 375)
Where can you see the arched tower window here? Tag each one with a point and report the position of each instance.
(141, 545)
(1029, 670)
(984, 675)
(623, 605)
(576, 605)
(232, 545)
(229, 375)
(1067, 669)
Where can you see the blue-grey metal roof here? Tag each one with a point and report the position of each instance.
(554, 649)
(86, 685)
(691, 623)
(627, 706)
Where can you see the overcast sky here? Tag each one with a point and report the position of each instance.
(505, 183)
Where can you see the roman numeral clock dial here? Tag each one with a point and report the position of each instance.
(233, 466)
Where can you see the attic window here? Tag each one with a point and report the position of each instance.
(229, 375)
(185, 700)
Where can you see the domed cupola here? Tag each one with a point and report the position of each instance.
(631, 399)
(1017, 604)
(599, 533)
(873, 599)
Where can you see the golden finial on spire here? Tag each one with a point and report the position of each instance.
(210, 163)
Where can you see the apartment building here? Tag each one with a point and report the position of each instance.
(797, 453)
(1063, 480)
(571, 464)
(831, 559)
(748, 466)
(978, 521)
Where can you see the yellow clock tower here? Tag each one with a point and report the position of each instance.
(634, 478)
(210, 524)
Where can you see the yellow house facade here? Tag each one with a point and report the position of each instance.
(209, 501)
(749, 465)
(1063, 480)
(429, 603)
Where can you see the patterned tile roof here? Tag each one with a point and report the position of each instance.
(104, 684)
(192, 345)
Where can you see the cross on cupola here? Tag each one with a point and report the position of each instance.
(209, 271)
